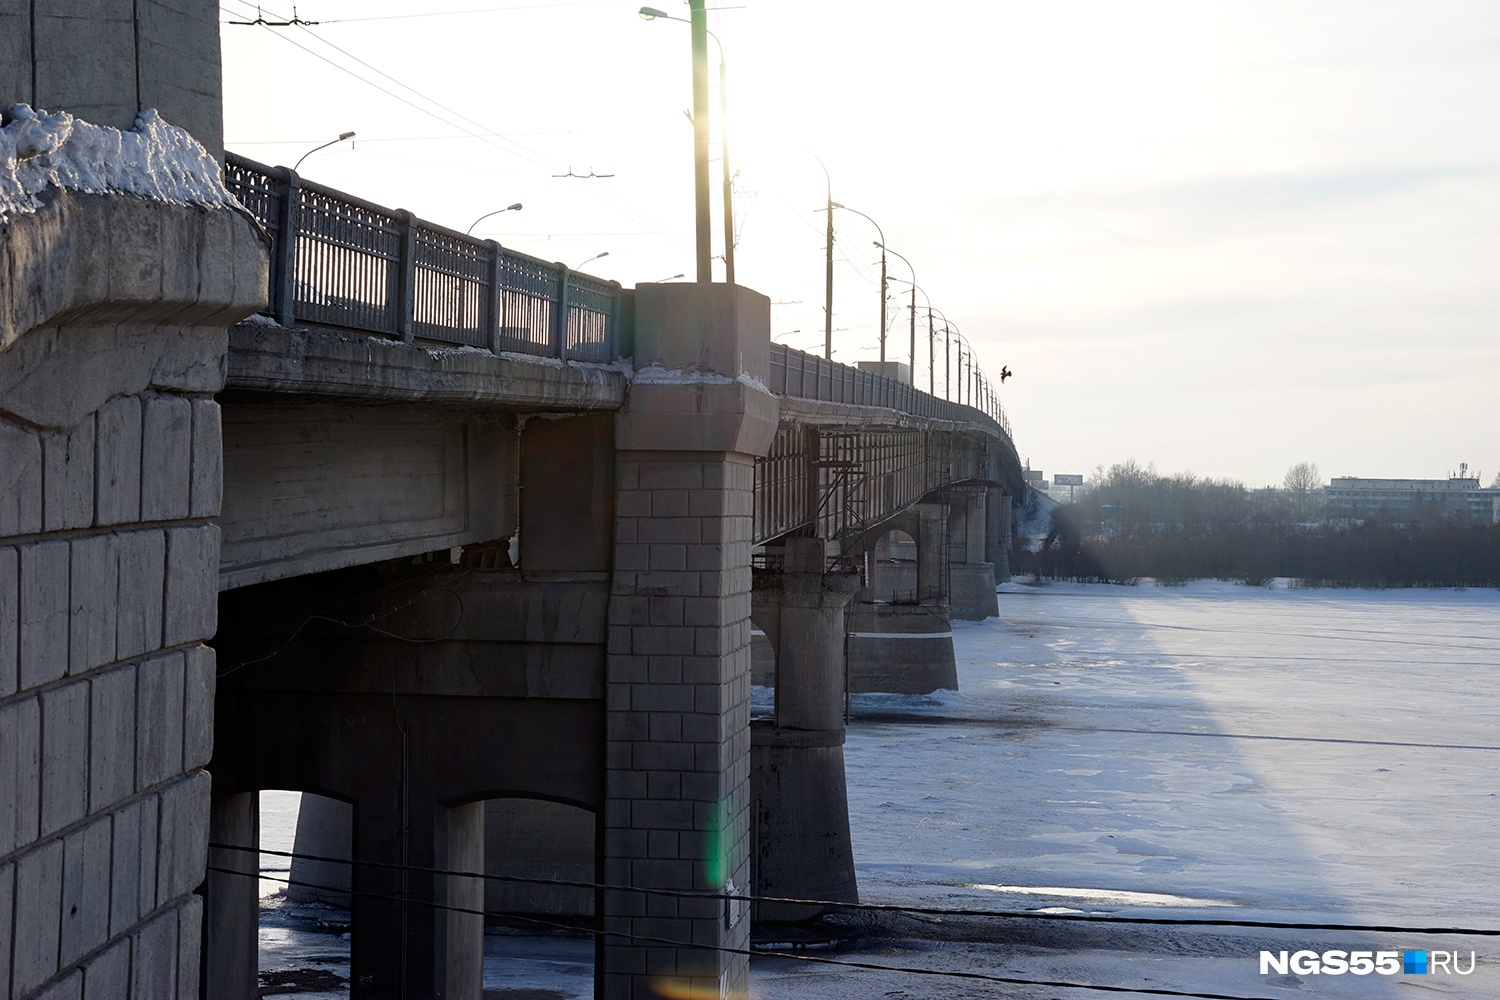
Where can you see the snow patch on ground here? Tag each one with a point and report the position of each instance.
(155, 160)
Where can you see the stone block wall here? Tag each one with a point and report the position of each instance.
(105, 59)
(109, 483)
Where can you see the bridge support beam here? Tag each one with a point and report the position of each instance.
(678, 671)
(414, 734)
(997, 532)
(802, 846)
(971, 579)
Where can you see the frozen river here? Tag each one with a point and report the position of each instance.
(1203, 752)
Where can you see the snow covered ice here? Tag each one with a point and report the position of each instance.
(1212, 751)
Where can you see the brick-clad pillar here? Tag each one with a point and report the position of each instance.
(112, 339)
(678, 665)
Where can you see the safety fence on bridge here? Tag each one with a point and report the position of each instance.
(340, 261)
(807, 376)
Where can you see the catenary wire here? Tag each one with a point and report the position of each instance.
(483, 134)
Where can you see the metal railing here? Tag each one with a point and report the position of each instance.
(340, 261)
(797, 373)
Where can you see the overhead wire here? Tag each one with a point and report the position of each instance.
(483, 134)
(936, 911)
(755, 953)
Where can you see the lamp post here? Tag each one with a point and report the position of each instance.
(928, 300)
(698, 24)
(931, 367)
(949, 330)
(602, 253)
(880, 243)
(508, 208)
(913, 311)
(343, 136)
(827, 263)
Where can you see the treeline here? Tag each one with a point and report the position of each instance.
(1136, 524)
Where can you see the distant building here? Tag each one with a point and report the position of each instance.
(1457, 497)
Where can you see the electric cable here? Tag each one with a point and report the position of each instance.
(365, 624)
(752, 953)
(930, 911)
(523, 152)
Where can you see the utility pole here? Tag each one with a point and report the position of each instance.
(828, 264)
(700, 140)
(913, 375)
(931, 365)
(728, 177)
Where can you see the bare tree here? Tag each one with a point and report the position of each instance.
(1303, 484)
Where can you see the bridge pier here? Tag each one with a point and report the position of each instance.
(457, 697)
(799, 800)
(971, 579)
(678, 673)
(997, 533)
(112, 317)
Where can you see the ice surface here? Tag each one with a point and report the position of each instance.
(155, 160)
(1212, 750)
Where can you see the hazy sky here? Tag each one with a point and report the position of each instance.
(1223, 236)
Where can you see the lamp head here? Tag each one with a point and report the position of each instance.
(345, 135)
(651, 13)
(513, 208)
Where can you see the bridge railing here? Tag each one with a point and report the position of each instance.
(340, 261)
(797, 373)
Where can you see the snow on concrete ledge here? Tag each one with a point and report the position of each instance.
(155, 160)
(658, 375)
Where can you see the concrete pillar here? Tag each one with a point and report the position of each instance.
(405, 731)
(113, 311)
(460, 946)
(678, 667)
(997, 532)
(971, 579)
(930, 542)
(231, 913)
(901, 648)
(325, 827)
(798, 792)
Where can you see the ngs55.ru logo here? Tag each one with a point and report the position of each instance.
(1364, 963)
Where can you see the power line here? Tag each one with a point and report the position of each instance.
(523, 152)
(931, 911)
(479, 10)
(751, 953)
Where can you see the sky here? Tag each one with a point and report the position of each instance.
(1219, 236)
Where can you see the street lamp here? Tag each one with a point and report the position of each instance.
(662, 281)
(913, 310)
(698, 22)
(880, 243)
(603, 253)
(928, 300)
(508, 208)
(949, 330)
(827, 263)
(342, 137)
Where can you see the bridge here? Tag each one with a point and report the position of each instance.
(481, 553)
